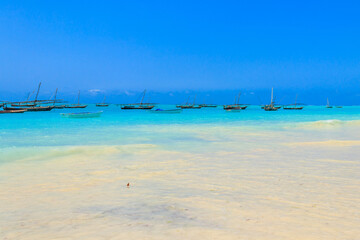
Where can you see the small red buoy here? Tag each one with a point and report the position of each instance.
(128, 185)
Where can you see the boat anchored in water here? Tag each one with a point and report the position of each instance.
(78, 105)
(236, 106)
(271, 106)
(187, 105)
(328, 104)
(31, 106)
(293, 106)
(138, 106)
(12, 111)
(159, 110)
(82, 114)
(103, 104)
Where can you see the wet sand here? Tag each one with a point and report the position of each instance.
(194, 182)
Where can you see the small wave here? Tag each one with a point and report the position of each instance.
(328, 123)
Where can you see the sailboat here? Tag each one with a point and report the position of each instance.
(293, 106)
(188, 105)
(328, 104)
(236, 105)
(26, 103)
(103, 104)
(271, 106)
(12, 111)
(78, 105)
(205, 105)
(208, 105)
(31, 106)
(139, 106)
(57, 106)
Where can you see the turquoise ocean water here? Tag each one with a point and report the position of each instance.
(119, 126)
(201, 174)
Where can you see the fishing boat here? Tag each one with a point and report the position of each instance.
(338, 107)
(31, 106)
(187, 105)
(23, 104)
(236, 105)
(271, 106)
(55, 101)
(78, 105)
(5, 107)
(30, 109)
(103, 104)
(40, 108)
(208, 105)
(12, 111)
(159, 110)
(138, 106)
(293, 106)
(26, 103)
(60, 106)
(82, 114)
(328, 104)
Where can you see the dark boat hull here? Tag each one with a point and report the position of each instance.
(102, 105)
(59, 106)
(12, 111)
(23, 105)
(137, 107)
(293, 108)
(13, 108)
(234, 107)
(75, 106)
(188, 107)
(40, 109)
(208, 106)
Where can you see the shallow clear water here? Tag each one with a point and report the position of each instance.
(201, 174)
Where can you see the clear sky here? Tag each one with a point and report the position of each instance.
(182, 45)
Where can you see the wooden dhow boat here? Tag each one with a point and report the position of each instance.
(103, 104)
(293, 106)
(271, 106)
(12, 111)
(30, 106)
(208, 105)
(78, 105)
(328, 104)
(236, 105)
(56, 101)
(189, 106)
(138, 106)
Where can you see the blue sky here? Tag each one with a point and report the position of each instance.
(180, 46)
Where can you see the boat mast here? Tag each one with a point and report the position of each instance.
(37, 94)
(55, 95)
(142, 99)
(79, 98)
(104, 99)
(238, 98)
(194, 99)
(272, 96)
(328, 104)
(187, 101)
(296, 99)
